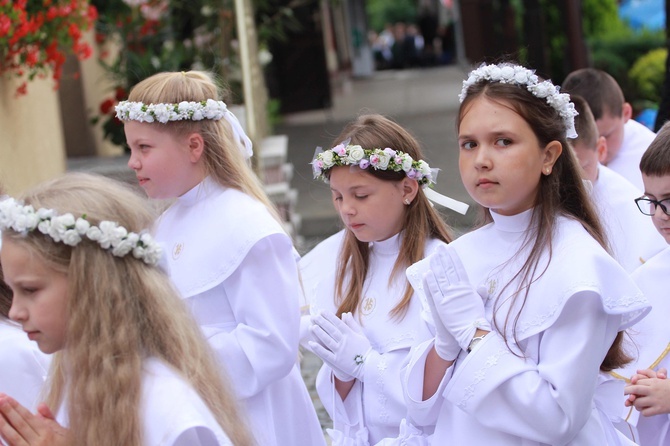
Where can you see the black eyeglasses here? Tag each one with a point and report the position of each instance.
(648, 206)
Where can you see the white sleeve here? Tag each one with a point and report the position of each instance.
(199, 436)
(546, 400)
(23, 371)
(422, 412)
(263, 296)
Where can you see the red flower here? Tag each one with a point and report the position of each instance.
(5, 24)
(74, 32)
(107, 106)
(35, 40)
(120, 94)
(32, 57)
(22, 90)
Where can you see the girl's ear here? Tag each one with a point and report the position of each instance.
(196, 146)
(551, 153)
(409, 189)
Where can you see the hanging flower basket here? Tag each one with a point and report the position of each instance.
(36, 36)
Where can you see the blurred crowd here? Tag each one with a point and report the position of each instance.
(401, 45)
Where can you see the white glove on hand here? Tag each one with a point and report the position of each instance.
(341, 344)
(446, 345)
(460, 308)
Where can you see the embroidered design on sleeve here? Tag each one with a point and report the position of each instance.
(382, 399)
(479, 376)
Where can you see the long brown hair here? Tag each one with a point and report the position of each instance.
(560, 193)
(120, 312)
(421, 221)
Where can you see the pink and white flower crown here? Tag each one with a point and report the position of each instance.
(67, 229)
(507, 73)
(346, 154)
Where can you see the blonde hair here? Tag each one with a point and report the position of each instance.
(421, 220)
(223, 159)
(120, 311)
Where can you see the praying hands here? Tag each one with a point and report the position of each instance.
(19, 427)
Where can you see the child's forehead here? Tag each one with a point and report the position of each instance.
(657, 185)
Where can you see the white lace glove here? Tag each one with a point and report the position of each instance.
(446, 345)
(341, 344)
(458, 305)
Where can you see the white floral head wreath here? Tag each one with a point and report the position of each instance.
(507, 73)
(185, 110)
(346, 154)
(71, 231)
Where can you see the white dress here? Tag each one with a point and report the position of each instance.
(172, 412)
(636, 139)
(651, 338)
(23, 367)
(313, 266)
(632, 235)
(376, 403)
(236, 269)
(546, 394)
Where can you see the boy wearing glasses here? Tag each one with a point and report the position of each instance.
(631, 235)
(649, 390)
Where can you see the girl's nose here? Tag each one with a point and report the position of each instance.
(482, 159)
(16, 313)
(346, 207)
(133, 161)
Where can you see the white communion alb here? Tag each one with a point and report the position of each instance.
(23, 367)
(548, 391)
(636, 139)
(236, 269)
(376, 402)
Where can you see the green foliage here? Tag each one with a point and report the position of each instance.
(616, 54)
(647, 75)
(381, 12)
(274, 113)
(600, 18)
(178, 35)
(557, 40)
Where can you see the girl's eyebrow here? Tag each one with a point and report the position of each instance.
(354, 187)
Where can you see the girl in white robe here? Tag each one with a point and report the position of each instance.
(389, 224)
(227, 252)
(532, 301)
(130, 365)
